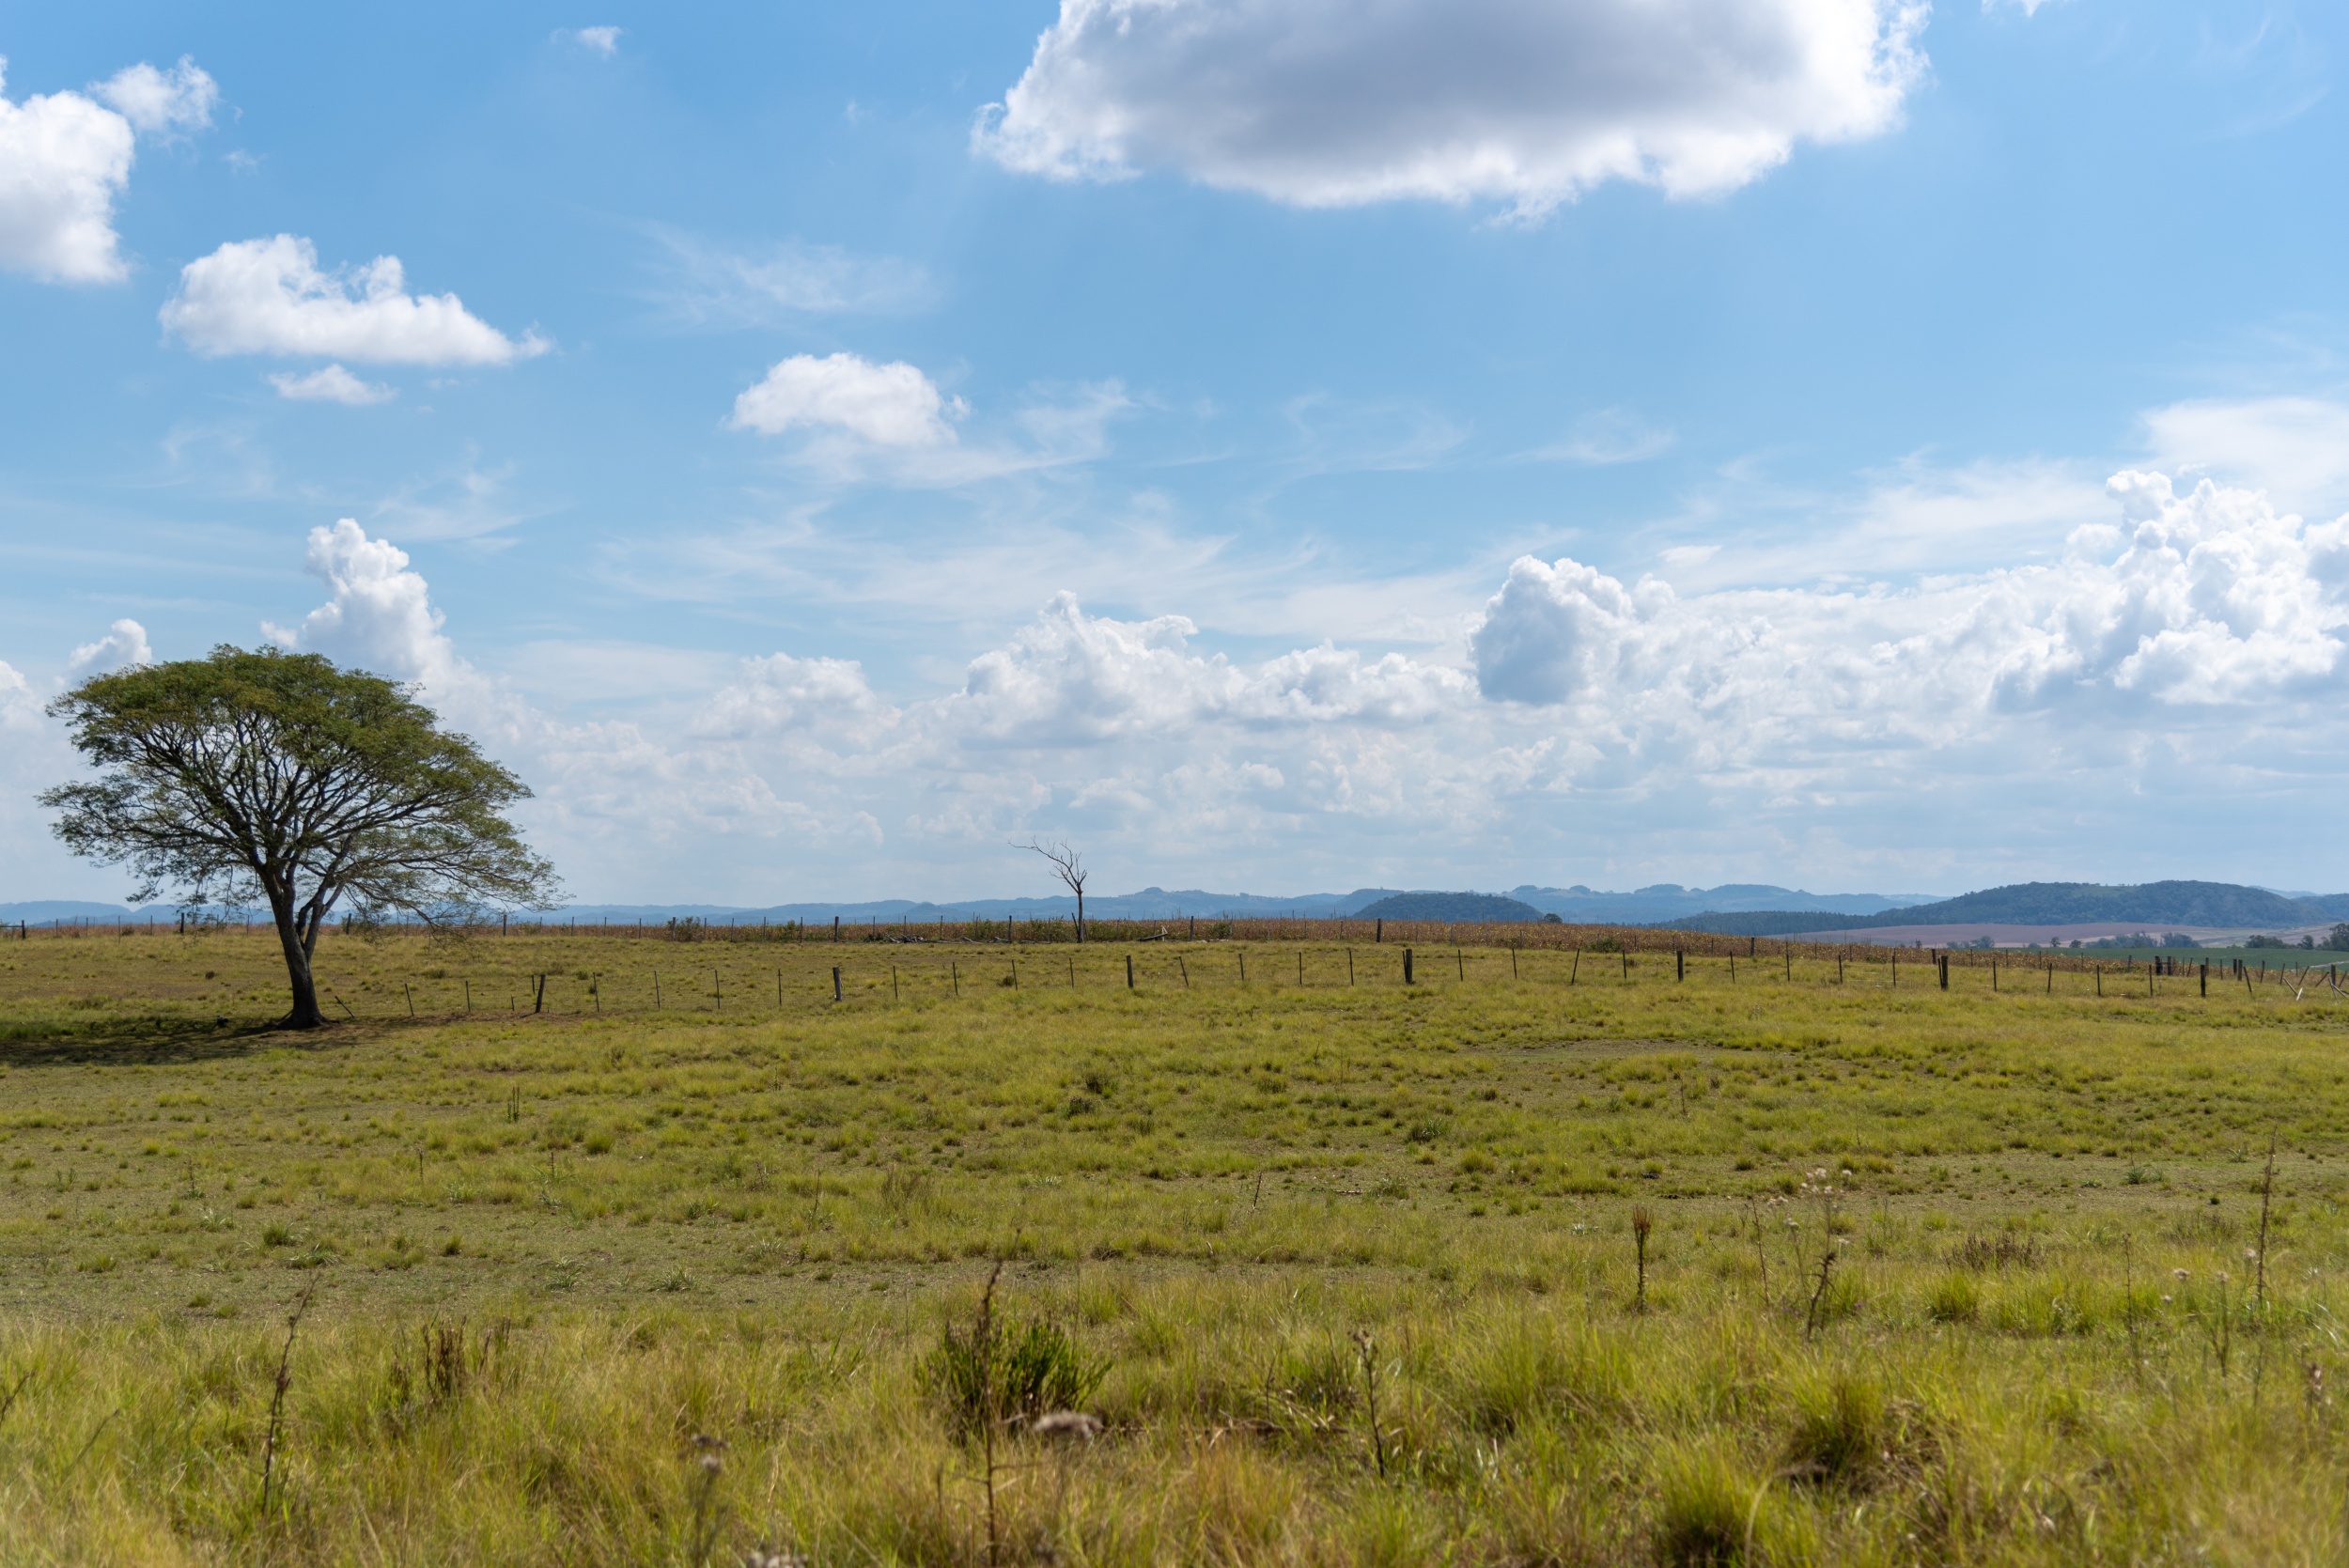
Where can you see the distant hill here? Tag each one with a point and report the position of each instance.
(1665, 901)
(2222, 905)
(1149, 904)
(1456, 909)
(1737, 909)
(51, 912)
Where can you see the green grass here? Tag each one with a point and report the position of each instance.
(550, 1251)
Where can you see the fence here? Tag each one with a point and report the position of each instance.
(558, 973)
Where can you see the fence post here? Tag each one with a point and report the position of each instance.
(1407, 966)
(1129, 971)
(835, 983)
(1680, 963)
(1378, 931)
(2206, 980)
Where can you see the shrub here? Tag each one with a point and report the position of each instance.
(1000, 1370)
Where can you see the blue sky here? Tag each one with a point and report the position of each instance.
(1273, 445)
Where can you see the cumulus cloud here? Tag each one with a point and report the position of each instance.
(778, 693)
(124, 644)
(65, 157)
(379, 613)
(1338, 102)
(162, 102)
(269, 296)
(2204, 600)
(1073, 678)
(891, 405)
(330, 384)
(2194, 636)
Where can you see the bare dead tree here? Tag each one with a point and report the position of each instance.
(1070, 867)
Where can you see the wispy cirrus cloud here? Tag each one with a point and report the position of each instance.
(702, 283)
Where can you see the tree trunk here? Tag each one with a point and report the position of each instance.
(305, 1013)
(1081, 914)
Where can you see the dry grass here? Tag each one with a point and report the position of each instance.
(551, 1251)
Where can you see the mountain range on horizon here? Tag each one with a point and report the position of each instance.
(1737, 909)
(2206, 906)
(1581, 905)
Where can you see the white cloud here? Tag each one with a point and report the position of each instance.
(379, 613)
(891, 405)
(2295, 448)
(596, 40)
(16, 695)
(63, 159)
(1337, 102)
(2184, 649)
(1608, 437)
(2201, 600)
(162, 102)
(124, 644)
(269, 296)
(331, 384)
(780, 693)
(1069, 678)
(708, 285)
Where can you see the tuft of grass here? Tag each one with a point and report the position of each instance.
(1955, 1299)
(1838, 1434)
(1706, 1509)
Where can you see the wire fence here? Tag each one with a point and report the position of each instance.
(542, 967)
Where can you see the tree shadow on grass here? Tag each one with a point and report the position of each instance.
(154, 1041)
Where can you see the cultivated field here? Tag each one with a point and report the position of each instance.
(1351, 1270)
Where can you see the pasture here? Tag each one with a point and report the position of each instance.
(1541, 1258)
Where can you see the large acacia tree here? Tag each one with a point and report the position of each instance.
(277, 778)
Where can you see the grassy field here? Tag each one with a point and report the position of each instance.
(1540, 1259)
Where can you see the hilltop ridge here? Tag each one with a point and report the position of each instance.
(2177, 903)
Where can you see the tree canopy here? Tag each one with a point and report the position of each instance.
(278, 778)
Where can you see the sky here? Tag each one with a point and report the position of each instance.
(1270, 444)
